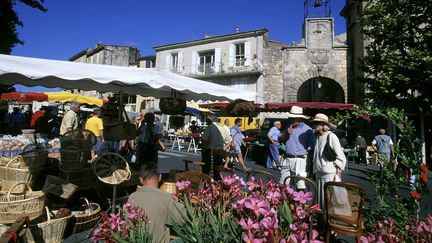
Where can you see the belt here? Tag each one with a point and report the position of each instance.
(296, 156)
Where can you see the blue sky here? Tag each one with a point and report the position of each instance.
(71, 26)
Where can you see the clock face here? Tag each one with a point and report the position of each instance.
(319, 31)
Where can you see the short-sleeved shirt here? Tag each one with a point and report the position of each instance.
(95, 125)
(70, 120)
(237, 135)
(274, 133)
(301, 141)
(161, 210)
(383, 143)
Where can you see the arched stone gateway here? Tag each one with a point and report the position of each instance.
(321, 89)
(316, 68)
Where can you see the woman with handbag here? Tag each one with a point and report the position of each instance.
(328, 159)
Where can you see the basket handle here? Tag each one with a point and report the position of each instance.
(86, 200)
(10, 161)
(48, 214)
(10, 190)
(129, 172)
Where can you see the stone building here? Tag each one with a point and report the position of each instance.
(316, 67)
(234, 60)
(126, 56)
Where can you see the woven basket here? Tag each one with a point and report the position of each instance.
(35, 160)
(9, 177)
(85, 220)
(51, 231)
(73, 158)
(59, 187)
(84, 178)
(13, 206)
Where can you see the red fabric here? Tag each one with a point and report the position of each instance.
(25, 96)
(36, 117)
(315, 105)
(220, 104)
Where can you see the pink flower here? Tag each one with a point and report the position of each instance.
(269, 223)
(252, 184)
(249, 225)
(183, 185)
(274, 196)
(300, 212)
(249, 238)
(302, 197)
(257, 206)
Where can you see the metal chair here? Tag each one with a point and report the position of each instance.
(261, 174)
(344, 209)
(310, 185)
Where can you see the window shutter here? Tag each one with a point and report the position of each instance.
(231, 55)
(194, 62)
(180, 62)
(167, 62)
(248, 60)
(217, 60)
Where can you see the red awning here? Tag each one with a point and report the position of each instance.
(215, 105)
(25, 97)
(310, 105)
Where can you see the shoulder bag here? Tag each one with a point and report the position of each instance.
(328, 152)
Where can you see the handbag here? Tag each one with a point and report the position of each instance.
(172, 105)
(328, 152)
(339, 200)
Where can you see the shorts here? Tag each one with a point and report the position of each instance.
(237, 149)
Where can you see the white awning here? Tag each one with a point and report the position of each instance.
(106, 78)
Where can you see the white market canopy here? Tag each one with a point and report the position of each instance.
(106, 78)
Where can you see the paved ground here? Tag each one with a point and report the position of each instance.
(173, 160)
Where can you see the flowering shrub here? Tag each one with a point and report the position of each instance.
(388, 231)
(128, 225)
(261, 212)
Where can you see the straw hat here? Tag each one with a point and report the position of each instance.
(320, 117)
(297, 112)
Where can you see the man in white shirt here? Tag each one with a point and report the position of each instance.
(70, 119)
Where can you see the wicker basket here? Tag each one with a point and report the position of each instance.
(13, 206)
(73, 158)
(59, 187)
(83, 178)
(51, 231)
(85, 220)
(9, 177)
(35, 160)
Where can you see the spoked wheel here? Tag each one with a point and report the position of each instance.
(112, 168)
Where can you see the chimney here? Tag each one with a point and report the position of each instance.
(237, 29)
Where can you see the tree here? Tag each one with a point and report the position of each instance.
(398, 60)
(9, 20)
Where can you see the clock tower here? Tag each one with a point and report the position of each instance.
(318, 25)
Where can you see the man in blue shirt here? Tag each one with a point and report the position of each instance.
(300, 142)
(273, 153)
(237, 137)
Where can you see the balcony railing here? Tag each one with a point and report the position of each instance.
(224, 68)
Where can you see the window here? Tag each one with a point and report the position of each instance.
(240, 54)
(206, 61)
(174, 61)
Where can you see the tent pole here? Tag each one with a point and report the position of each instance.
(121, 105)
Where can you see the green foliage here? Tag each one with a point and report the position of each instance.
(285, 214)
(388, 204)
(398, 43)
(9, 20)
(202, 226)
(137, 234)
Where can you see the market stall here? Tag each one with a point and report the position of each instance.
(103, 78)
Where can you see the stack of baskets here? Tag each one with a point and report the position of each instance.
(75, 149)
(50, 231)
(15, 205)
(22, 168)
